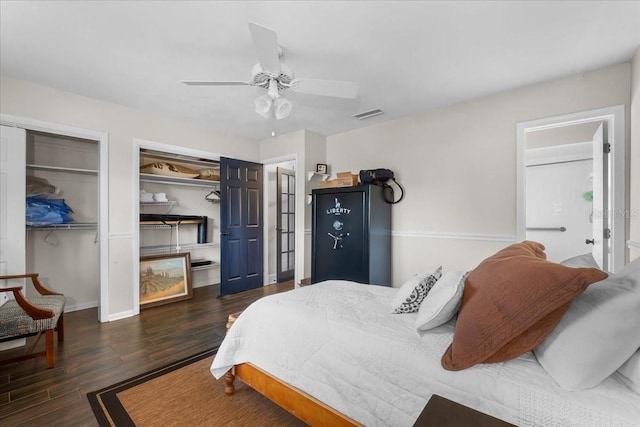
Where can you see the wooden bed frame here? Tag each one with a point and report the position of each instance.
(300, 404)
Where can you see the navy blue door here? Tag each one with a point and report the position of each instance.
(241, 226)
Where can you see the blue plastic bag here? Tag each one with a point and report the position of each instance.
(40, 212)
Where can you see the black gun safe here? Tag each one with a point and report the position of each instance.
(351, 235)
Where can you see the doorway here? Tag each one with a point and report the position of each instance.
(273, 218)
(241, 225)
(589, 171)
(286, 224)
(101, 229)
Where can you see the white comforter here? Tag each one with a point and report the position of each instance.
(338, 342)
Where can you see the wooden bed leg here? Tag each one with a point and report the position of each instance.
(229, 378)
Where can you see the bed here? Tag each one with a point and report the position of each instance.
(336, 345)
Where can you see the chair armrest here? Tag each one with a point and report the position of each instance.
(36, 313)
(34, 279)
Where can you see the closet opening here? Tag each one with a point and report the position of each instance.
(179, 211)
(62, 211)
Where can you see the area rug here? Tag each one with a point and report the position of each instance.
(184, 393)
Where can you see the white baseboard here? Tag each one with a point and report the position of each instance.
(121, 315)
(82, 306)
(7, 345)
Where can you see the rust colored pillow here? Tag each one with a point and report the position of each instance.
(511, 302)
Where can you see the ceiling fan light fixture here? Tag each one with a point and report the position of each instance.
(263, 105)
(273, 89)
(283, 107)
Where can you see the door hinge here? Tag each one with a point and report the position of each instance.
(606, 233)
(607, 147)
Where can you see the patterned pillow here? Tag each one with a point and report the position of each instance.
(415, 290)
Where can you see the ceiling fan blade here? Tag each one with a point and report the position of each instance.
(265, 40)
(336, 88)
(215, 83)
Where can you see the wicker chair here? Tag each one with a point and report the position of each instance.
(21, 318)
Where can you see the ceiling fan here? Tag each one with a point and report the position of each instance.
(275, 76)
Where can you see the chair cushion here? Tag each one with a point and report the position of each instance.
(14, 321)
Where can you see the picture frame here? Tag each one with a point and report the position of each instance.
(165, 279)
(321, 168)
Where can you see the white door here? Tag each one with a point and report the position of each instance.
(600, 250)
(12, 203)
(12, 207)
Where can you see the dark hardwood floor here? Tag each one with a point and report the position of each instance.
(95, 355)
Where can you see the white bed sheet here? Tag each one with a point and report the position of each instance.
(338, 342)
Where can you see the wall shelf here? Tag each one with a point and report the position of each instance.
(167, 203)
(206, 267)
(161, 179)
(62, 169)
(67, 226)
(189, 161)
(147, 250)
(322, 176)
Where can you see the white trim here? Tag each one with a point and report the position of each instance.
(631, 244)
(614, 116)
(116, 236)
(173, 149)
(41, 126)
(83, 306)
(455, 236)
(122, 315)
(559, 154)
(103, 188)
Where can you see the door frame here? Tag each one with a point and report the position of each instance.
(616, 201)
(279, 173)
(139, 144)
(243, 232)
(102, 139)
(300, 217)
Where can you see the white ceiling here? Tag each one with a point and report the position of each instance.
(407, 56)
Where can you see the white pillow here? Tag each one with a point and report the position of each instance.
(599, 332)
(630, 372)
(413, 292)
(580, 261)
(442, 303)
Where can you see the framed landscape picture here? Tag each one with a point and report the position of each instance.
(165, 279)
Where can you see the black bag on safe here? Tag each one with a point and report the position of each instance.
(381, 177)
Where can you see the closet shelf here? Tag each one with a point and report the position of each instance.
(62, 169)
(161, 179)
(180, 159)
(206, 267)
(67, 226)
(172, 248)
(168, 203)
(172, 222)
(154, 226)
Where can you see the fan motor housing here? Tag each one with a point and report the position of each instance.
(261, 78)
